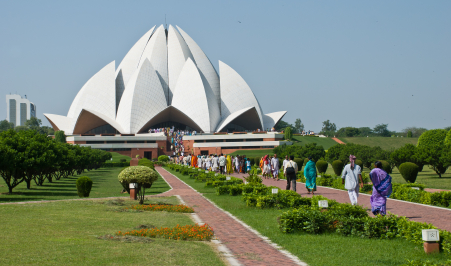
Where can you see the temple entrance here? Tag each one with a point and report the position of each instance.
(204, 153)
(148, 155)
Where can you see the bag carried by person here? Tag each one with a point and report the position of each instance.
(290, 170)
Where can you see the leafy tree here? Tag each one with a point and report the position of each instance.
(433, 151)
(299, 127)
(409, 134)
(416, 131)
(60, 136)
(407, 153)
(365, 131)
(33, 122)
(282, 125)
(382, 130)
(328, 128)
(311, 149)
(21, 128)
(5, 125)
(288, 133)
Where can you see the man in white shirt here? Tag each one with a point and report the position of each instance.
(284, 163)
(275, 167)
(350, 177)
(290, 170)
(222, 163)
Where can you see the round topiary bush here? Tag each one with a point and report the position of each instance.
(146, 162)
(123, 160)
(338, 166)
(84, 185)
(299, 162)
(163, 158)
(321, 166)
(359, 163)
(409, 171)
(305, 161)
(142, 175)
(385, 166)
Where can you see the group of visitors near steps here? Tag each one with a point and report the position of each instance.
(351, 174)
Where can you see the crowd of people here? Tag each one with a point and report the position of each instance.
(351, 174)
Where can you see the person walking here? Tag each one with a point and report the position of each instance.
(284, 163)
(350, 178)
(215, 163)
(382, 189)
(275, 167)
(290, 170)
(229, 165)
(222, 163)
(310, 176)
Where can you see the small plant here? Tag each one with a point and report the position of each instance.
(321, 166)
(338, 165)
(187, 232)
(163, 158)
(409, 171)
(84, 185)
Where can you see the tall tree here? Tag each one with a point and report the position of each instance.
(328, 128)
(5, 125)
(382, 130)
(33, 122)
(432, 149)
(298, 126)
(282, 125)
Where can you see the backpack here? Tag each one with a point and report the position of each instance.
(290, 170)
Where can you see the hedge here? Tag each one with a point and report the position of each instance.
(409, 171)
(322, 166)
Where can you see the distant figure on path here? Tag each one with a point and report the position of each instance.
(275, 167)
(284, 163)
(290, 170)
(222, 163)
(229, 165)
(350, 177)
(382, 189)
(310, 176)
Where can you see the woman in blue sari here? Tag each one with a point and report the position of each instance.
(310, 175)
(382, 189)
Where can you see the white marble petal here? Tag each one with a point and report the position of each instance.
(143, 98)
(90, 119)
(129, 65)
(203, 64)
(178, 53)
(235, 93)
(156, 52)
(191, 98)
(271, 119)
(60, 122)
(231, 117)
(97, 94)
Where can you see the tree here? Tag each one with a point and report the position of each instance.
(299, 127)
(282, 125)
(60, 136)
(406, 153)
(5, 125)
(433, 151)
(416, 131)
(328, 128)
(288, 133)
(365, 131)
(382, 130)
(33, 122)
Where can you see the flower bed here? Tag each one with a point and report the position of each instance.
(163, 207)
(187, 232)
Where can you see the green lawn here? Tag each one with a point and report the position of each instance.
(327, 249)
(325, 142)
(105, 184)
(117, 157)
(66, 233)
(385, 143)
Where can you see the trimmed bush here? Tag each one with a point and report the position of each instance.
(299, 162)
(305, 161)
(321, 166)
(163, 158)
(146, 162)
(359, 163)
(123, 160)
(142, 175)
(385, 166)
(338, 166)
(409, 171)
(84, 185)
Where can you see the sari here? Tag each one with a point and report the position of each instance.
(229, 165)
(382, 189)
(310, 175)
(195, 161)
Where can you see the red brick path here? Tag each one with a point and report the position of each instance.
(247, 247)
(339, 141)
(439, 217)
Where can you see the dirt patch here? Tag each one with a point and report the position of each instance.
(126, 239)
(145, 226)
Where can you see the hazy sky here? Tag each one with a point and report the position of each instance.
(357, 63)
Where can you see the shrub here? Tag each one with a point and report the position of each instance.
(257, 161)
(60, 136)
(359, 163)
(123, 160)
(409, 171)
(84, 185)
(146, 162)
(288, 133)
(321, 166)
(305, 161)
(337, 165)
(143, 175)
(299, 162)
(163, 158)
(385, 166)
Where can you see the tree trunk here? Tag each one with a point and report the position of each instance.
(28, 181)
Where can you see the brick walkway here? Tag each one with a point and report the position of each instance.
(247, 247)
(439, 217)
(338, 141)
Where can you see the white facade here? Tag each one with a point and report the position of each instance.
(19, 110)
(165, 78)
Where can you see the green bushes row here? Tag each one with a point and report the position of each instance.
(406, 193)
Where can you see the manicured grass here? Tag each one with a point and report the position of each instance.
(105, 184)
(117, 157)
(325, 142)
(427, 177)
(326, 249)
(386, 143)
(65, 233)
(253, 153)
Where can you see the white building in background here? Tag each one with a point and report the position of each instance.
(164, 80)
(19, 109)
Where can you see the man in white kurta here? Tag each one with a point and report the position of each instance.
(350, 177)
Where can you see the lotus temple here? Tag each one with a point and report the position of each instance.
(167, 81)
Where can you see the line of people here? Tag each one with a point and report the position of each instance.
(221, 163)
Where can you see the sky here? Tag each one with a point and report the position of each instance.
(355, 63)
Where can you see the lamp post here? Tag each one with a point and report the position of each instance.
(430, 238)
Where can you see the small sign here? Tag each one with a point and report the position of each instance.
(319, 176)
(216, 174)
(416, 188)
(207, 172)
(200, 170)
(323, 203)
(430, 235)
(228, 178)
(245, 182)
(275, 190)
(133, 185)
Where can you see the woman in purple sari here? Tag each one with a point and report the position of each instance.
(382, 189)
